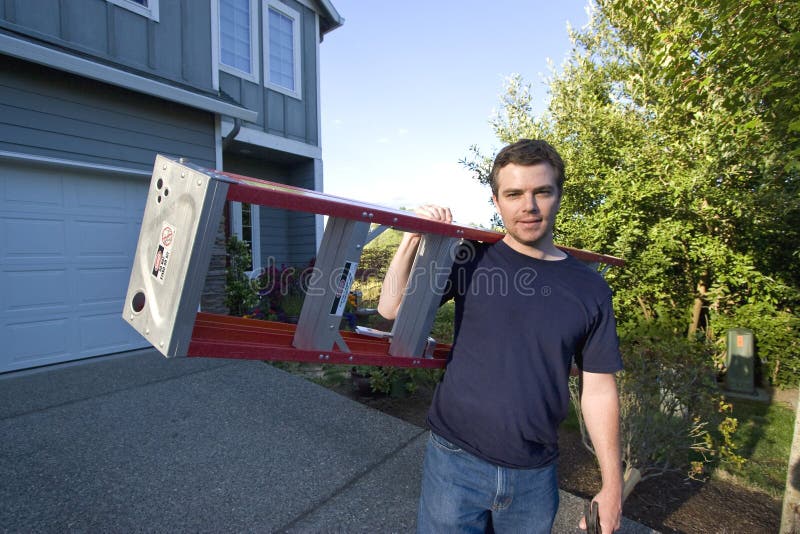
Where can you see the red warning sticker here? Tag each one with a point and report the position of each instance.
(167, 234)
(163, 252)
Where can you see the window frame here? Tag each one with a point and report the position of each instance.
(294, 15)
(255, 60)
(150, 10)
(255, 229)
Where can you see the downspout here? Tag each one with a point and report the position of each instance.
(228, 139)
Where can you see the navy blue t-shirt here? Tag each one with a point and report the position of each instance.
(519, 322)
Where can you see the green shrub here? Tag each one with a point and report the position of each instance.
(398, 381)
(374, 261)
(239, 294)
(673, 416)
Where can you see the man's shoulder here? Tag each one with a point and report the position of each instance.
(584, 275)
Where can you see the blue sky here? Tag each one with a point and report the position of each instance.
(408, 86)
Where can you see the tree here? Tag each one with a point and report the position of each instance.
(678, 122)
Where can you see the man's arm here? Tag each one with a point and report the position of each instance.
(600, 406)
(396, 279)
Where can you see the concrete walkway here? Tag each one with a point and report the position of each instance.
(136, 442)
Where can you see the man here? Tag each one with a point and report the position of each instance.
(524, 310)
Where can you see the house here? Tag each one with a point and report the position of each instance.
(90, 91)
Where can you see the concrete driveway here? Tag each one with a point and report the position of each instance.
(136, 442)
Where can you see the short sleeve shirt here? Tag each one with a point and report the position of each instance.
(519, 324)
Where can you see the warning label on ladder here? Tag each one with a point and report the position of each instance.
(164, 251)
(342, 289)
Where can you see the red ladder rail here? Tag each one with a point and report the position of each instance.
(223, 336)
(265, 193)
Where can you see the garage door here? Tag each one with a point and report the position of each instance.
(67, 239)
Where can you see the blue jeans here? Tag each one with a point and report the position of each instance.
(462, 493)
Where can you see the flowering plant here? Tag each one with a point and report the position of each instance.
(280, 292)
(350, 308)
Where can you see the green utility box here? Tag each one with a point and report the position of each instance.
(740, 361)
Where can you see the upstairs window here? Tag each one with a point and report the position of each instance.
(238, 47)
(282, 57)
(146, 8)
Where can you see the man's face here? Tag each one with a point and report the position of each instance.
(528, 200)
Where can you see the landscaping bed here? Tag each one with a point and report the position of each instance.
(668, 503)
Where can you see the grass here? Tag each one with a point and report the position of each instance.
(764, 438)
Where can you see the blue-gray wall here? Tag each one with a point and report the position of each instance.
(287, 237)
(50, 113)
(177, 48)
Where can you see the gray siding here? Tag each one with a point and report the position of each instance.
(301, 231)
(177, 48)
(50, 113)
(278, 113)
(287, 237)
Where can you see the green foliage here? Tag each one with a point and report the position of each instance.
(672, 412)
(375, 261)
(399, 381)
(444, 323)
(678, 125)
(388, 239)
(239, 295)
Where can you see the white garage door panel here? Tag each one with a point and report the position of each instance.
(101, 238)
(37, 342)
(101, 286)
(35, 289)
(101, 334)
(67, 240)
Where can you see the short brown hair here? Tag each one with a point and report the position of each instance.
(528, 152)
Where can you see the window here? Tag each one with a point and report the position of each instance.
(245, 225)
(282, 39)
(146, 8)
(238, 48)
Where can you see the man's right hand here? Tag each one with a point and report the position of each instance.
(434, 212)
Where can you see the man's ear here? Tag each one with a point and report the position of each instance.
(494, 201)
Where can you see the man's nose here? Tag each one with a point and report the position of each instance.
(530, 203)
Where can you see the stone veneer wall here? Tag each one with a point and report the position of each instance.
(213, 297)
